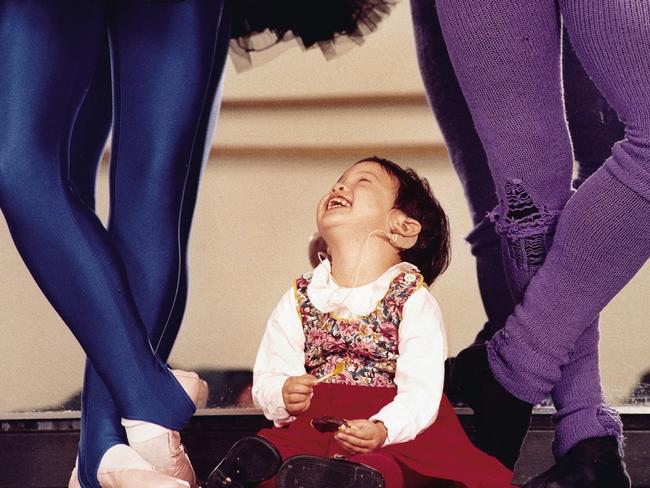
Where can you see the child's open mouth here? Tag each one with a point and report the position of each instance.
(338, 202)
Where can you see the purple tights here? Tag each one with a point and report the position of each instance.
(594, 128)
(506, 54)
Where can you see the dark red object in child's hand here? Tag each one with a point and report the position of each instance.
(328, 424)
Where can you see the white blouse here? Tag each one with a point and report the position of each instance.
(422, 348)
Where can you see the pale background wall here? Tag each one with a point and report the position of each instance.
(271, 163)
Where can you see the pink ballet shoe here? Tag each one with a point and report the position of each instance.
(194, 386)
(137, 478)
(74, 481)
(131, 478)
(168, 456)
(166, 453)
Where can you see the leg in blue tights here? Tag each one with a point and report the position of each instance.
(62, 242)
(156, 269)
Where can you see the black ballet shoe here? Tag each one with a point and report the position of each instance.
(592, 463)
(502, 419)
(319, 472)
(249, 461)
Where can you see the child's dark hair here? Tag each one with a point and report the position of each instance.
(431, 253)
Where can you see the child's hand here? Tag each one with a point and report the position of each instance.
(362, 436)
(296, 393)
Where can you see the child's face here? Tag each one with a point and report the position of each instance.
(359, 202)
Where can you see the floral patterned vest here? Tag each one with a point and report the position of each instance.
(367, 343)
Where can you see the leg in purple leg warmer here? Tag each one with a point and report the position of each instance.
(508, 66)
(603, 234)
(469, 159)
(578, 397)
(526, 244)
(587, 108)
(519, 116)
(593, 124)
(579, 400)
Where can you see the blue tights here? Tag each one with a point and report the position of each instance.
(120, 290)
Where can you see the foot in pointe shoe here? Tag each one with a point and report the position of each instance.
(595, 462)
(131, 478)
(74, 481)
(502, 419)
(165, 452)
(138, 478)
(194, 386)
(168, 456)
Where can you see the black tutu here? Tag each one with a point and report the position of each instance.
(268, 25)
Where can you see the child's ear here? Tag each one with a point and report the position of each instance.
(407, 228)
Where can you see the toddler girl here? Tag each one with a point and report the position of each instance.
(362, 339)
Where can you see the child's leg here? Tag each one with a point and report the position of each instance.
(469, 160)
(398, 475)
(248, 462)
(392, 471)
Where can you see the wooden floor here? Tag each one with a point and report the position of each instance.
(39, 453)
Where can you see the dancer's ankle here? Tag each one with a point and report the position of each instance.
(141, 431)
(122, 457)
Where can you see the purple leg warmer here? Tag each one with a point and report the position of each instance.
(470, 162)
(519, 116)
(593, 124)
(507, 60)
(604, 231)
(578, 396)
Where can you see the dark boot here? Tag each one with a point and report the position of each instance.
(502, 419)
(592, 463)
(249, 461)
(319, 472)
(454, 394)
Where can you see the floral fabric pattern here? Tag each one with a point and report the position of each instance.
(368, 344)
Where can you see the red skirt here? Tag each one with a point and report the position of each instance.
(442, 451)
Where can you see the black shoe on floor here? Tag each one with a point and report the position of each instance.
(502, 419)
(319, 472)
(592, 463)
(249, 461)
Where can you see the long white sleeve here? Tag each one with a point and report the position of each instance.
(281, 355)
(419, 371)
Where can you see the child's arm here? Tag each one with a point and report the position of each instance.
(280, 356)
(297, 392)
(362, 436)
(420, 370)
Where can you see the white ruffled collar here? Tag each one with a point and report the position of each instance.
(328, 297)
